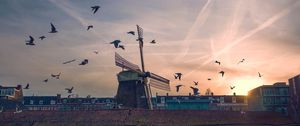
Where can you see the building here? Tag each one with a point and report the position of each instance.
(52, 103)
(294, 107)
(269, 98)
(218, 102)
(10, 97)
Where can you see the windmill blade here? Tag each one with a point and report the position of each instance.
(159, 82)
(123, 63)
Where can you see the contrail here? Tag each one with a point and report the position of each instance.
(267, 23)
(200, 20)
(66, 8)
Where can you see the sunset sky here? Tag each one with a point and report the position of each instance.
(190, 36)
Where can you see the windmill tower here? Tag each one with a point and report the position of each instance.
(134, 84)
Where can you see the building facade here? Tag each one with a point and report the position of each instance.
(269, 98)
(294, 107)
(218, 102)
(10, 98)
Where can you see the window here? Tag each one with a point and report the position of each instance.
(222, 99)
(233, 99)
(41, 102)
(162, 100)
(31, 102)
(52, 102)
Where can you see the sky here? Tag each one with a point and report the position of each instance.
(190, 36)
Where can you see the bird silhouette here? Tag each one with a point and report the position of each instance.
(53, 29)
(131, 32)
(153, 42)
(69, 90)
(259, 75)
(178, 87)
(222, 73)
(89, 27)
(84, 62)
(195, 90)
(232, 87)
(56, 76)
(27, 86)
(241, 61)
(96, 51)
(122, 47)
(46, 80)
(42, 37)
(178, 76)
(70, 61)
(209, 79)
(218, 62)
(30, 41)
(196, 83)
(95, 9)
(116, 43)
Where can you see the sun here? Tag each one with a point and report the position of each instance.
(245, 83)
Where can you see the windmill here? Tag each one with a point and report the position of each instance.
(138, 82)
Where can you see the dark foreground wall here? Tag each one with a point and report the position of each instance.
(138, 117)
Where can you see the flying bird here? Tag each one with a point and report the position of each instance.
(95, 8)
(70, 61)
(196, 83)
(195, 90)
(30, 41)
(131, 32)
(259, 75)
(53, 29)
(209, 79)
(42, 37)
(153, 42)
(69, 90)
(232, 87)
(56, 76)
(178, 87)
(241, 61)
(122, 47)
(89, 27)
(96, 51)
(222, 73)
(116, 43)
(27, 86)
(218, 62)
(46, 80)
(84, 62)
(178, 76)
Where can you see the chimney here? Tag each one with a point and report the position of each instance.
(156, 94)
(190, 94)
(234, 94)
(167, 94)
(58, 96)
(212, 94)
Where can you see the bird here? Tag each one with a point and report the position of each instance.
(218, 62)
(209, 79)
(232, 87)
(84, 62)
(89, 27)
(27, 86)
(153, 42)
(259, 75)
(178, 87)
(122, 47)
(241, 61)
(46, 80)
(42, 37)
(131, 32)
(222, 73)
(95, 8)
(195, 90)
(53, 29)
(96, 51)
(178, 76)
(56, 76)
(69, 89)
(116, 43)
(30, 41)
(69, 61)
(196, 82)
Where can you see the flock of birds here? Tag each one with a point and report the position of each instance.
(195, 89)
(116, 43)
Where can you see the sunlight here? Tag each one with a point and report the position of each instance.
(245, 84)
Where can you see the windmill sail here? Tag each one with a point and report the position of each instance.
(121, 62)
(159, 82)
